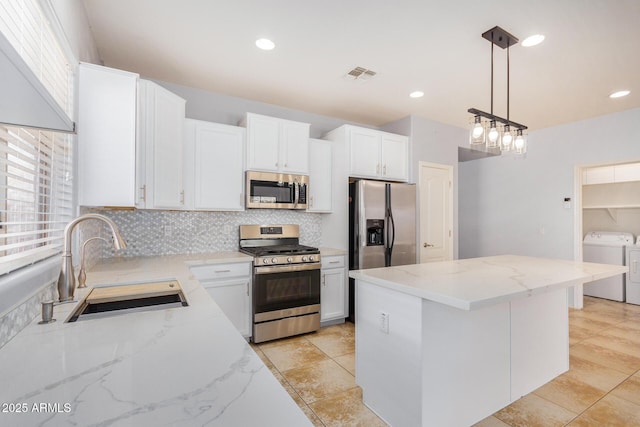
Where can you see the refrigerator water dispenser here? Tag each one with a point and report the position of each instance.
(375, 228)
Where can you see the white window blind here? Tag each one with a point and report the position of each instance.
(26, 27)
(35, 166)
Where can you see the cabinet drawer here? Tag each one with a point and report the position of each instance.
(221, 271)
(332, 262)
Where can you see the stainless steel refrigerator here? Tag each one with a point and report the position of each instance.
(382, 227)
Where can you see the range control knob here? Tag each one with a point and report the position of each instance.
(274, 260)
(304, 258)
(265, 261)
(289, 259)
(312, 258)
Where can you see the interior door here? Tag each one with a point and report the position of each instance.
(436, 212)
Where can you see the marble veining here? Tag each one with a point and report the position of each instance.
(178, 366)
(472, 283)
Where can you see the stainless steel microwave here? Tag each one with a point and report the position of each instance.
(269, 190)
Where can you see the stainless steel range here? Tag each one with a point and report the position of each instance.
(286, 281)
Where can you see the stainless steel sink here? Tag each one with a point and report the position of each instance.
(115, 300)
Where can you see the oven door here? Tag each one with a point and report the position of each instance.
(285, 287)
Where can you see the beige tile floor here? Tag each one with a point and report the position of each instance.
(602, 387)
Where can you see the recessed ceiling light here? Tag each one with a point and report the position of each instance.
(533, 40)
(619, 94)
(416, 94)
(265, 44)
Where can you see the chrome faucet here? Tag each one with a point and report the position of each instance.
(67, 280)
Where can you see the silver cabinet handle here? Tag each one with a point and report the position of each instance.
(634, 264)
(334, 262)
(247, 288)
(182, 197)
(241, 199)
(384, 170)
(378, 168)
(144, 193)
(324, 282)
(427, 245)
(223, 271)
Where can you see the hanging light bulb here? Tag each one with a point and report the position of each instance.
(507, 138)
(520, 143)
(492, 140)
(477, 132)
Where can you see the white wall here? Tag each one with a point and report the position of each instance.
(432, 142)
(515, 206)
(225, 109)
(72, 18)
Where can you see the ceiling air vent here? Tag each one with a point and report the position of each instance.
(360, 73)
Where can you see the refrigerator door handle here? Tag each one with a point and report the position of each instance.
(393, 231)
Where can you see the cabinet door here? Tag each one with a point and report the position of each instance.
(599, 175)
(263, 135)
(218, 164)
(364, 147)
(294, 147)
(234, 298)
(332, 294)
(319, 176)
(627, 172)
(106, 136)
(162, 135)
(395, 157)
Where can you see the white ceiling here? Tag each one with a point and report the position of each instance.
(592, 48)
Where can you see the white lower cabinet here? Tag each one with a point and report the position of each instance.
(230, 287)
(333, 289)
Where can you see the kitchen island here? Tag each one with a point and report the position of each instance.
(186, 366)
(450, 343)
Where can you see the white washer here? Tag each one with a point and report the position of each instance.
(607, 247)
(633, 276)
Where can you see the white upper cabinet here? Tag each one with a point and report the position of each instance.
(374, 154)
(395, 156)
(609, 174)
(162, 137)
(130, 141)
(106, 136)
(319, 176)
(627, 172)
(214, 166)
(277, 145)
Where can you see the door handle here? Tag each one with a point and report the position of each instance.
(427, 245)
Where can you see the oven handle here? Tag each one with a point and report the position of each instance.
(287, 268)
(296, 194)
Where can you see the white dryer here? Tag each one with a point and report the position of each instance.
(607, 247)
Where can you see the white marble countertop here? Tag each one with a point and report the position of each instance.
(477, 282)
(180, 366)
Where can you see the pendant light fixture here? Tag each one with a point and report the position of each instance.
(488, 131)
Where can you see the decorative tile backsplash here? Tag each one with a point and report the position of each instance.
(15, 320)
(187, 232)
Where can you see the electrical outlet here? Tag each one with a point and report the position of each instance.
(384, 322)
(168, 231)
